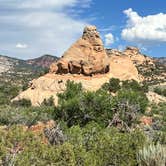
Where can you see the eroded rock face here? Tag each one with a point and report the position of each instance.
(134, 54)
(85, 62)
(86, 56)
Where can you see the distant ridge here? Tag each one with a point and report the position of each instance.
(44, 61)
(16, 71)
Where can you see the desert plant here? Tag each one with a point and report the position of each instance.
(135, 99)
(152, 155)
(84, 107)
(113, 85)
(48, 102)
(25, 115)
(160, 91)
(22, 102)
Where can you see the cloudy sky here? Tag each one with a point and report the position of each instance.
(31, 28)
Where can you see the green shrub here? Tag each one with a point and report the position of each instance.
(72, 90)
(160, 91)
(96, 146)
(25, 115)
(78, 107)
(48, 102)
(7, 92)
(31, 150)
(134, 85)
(91, 145)
(134, 98)
(22, 102)
(112, 86)
(159, 115)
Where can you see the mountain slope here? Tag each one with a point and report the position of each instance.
(18, 71)
(44, 61)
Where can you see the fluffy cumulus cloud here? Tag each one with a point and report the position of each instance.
(145, 30)
(39, 26)
(109, 39)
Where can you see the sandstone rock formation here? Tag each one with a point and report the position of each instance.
(86, 56)
(133, 53)
(51, 84)
(123, 68)
(85, 62)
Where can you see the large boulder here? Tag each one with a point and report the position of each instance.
(86, 56)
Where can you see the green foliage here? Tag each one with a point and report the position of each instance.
(160, 137)
(22, 102)
(91, 145)
(78, 107)
(48, 102)
(134, 98)
(152, 155)
(31, 150)
(159, 114)
(160, 91)
(96, 146)
(112, 86)
(134, 85)
(72, 90)
(25, 115)
(7, 92)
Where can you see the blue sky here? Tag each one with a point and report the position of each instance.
(31, 28)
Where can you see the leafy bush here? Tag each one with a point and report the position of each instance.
(25, 115)
(22, 102)
(159, 114)
(112, 86)
(96, 146)
(160, 91)
(78, 107)
(91, 145)
(18, 147)
(134, 85)
(48, 102)
(7, 92)
(135, 99)
(152, 155)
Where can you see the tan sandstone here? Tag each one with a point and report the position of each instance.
(86, 56)
(85, 62)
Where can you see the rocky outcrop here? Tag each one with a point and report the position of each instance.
(51, 84)
(85, 62)
(86, 56)
(123, 68)
(134, 54)
(138, 58)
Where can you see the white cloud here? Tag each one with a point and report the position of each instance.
(146, 30)
(109, 39)
(20, 45)
(49, 26)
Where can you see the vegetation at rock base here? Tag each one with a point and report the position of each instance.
(160, 91)
(96, 128)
